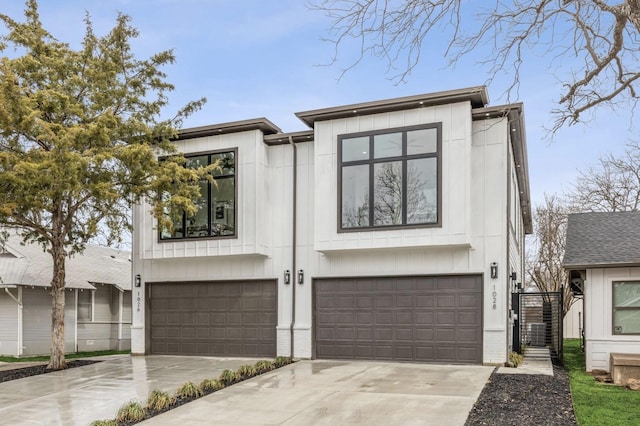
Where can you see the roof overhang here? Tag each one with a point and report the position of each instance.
(286, 138)
(602, 266)
(262, 124)
(515, 117)
(478, 97)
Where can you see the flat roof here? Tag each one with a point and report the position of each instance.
(262, 124)
(478, 97)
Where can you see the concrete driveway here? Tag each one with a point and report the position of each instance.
(341, 393)
(81, 395)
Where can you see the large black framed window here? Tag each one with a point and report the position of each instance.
(390, 178)
(216, 215)
(626, 307)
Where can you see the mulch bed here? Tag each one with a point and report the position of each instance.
(35, 370)
(524, 399)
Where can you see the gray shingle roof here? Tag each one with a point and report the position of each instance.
(30, 265)
(602, 240)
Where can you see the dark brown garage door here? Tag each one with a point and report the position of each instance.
(213, 318)
(430, 319)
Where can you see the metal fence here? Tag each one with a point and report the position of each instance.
(538, 322)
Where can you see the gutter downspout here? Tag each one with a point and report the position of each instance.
(18, 300)
(293, 280)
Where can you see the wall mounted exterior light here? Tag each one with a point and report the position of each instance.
(138, 281)
(494, 270)
(287, 277)
(300, 276)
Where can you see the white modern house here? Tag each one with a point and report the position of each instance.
(602, 256)
(97, 303)
(390, 230)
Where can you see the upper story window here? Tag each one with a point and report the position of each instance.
(216, 215)
(626, 307)
(390, 178)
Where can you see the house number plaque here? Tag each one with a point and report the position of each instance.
(138, 299)
(495, 297)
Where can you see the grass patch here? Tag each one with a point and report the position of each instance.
(67, 356)
(598, 403)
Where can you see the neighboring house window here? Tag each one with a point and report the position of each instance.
(216, 215)
(626, 307)
(85, 305)
(390, 178)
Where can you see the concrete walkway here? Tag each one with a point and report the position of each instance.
(536, 361)
(341, 392)
(80, 395)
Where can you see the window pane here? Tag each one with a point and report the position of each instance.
(387, 193)
(355, 196)
(422, 141)
(223, 216)
(84, 305)
(387, 145)
(197, 224)
(626, 294)
(422, 191)
(626, 321)
(199, 161)
(355, 149)
(227, 163)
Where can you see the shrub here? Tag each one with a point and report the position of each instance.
(188, 390)
(246, 371)
(158, 401)
(211, 385)
(515, 358)
(131, 412)
(264, 366)
(228, 377)
(282, 360)
(104, 423)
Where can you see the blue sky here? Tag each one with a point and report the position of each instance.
(257, 58)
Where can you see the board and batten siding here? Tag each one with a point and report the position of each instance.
(37, 321)
(9, 314)
(473, 232)
(598, 316)
(251, 182)
(456, 182)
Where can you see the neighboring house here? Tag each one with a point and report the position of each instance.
(97, 303)
(572, 323)
(602, 255)
(390, 230)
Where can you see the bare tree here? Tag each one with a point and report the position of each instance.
(544, 257)
(610, 186)
(601, 36)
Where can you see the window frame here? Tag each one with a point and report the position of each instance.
(160, 239)
(403, 158)
(622, 308)
(91, 306)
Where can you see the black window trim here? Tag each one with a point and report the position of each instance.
(235, 202)
(404, 158)
(621, 308)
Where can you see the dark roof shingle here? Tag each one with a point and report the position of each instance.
(602, 240)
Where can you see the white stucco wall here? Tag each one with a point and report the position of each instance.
(598, 315)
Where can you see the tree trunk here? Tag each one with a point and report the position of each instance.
(57, 361)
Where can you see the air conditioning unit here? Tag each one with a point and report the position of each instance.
(538, 334)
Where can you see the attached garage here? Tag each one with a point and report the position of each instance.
(424, 318)
(212, 318)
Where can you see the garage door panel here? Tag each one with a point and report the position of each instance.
(432, 319)
(213, 318)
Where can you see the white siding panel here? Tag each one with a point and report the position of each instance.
(8, 324)
(598, 317)
(572, 322)
(37, 321)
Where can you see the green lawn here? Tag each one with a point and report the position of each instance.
(598, 403)
(67, 356)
